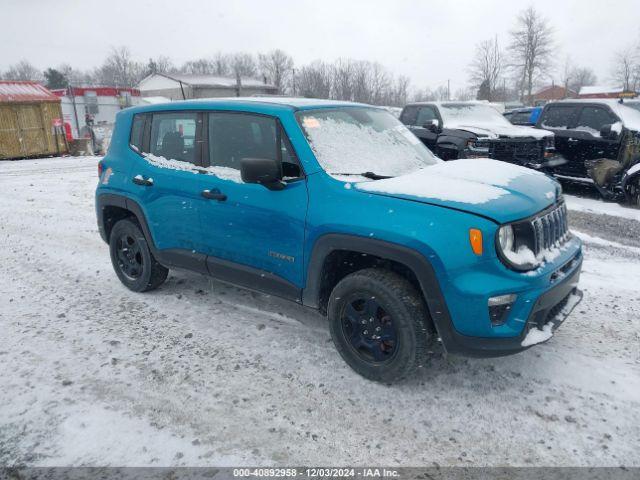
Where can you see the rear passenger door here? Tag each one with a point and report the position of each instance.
(254, 236)
(166, 179)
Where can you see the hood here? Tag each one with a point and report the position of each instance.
(494, 130)
(490, 188)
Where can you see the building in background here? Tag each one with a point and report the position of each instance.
(99, 105)
(182, 86)
(552, 92)
(606, 92)
(31, 122)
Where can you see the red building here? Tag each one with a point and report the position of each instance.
(552, 92)
(606, 92)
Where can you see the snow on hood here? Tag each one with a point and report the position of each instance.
(490, 188)
(492, 130)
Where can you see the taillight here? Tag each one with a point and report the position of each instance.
(100, 169)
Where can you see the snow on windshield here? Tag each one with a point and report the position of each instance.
(357, 140)
(471, 114)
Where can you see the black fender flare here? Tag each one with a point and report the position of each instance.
(122, 201)
(412, 259)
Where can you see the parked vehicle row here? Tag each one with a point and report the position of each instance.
(341, 208)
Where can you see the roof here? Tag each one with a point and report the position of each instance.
(19, 92)
(596, 89)
(209, 80)
(154, 100)
(251, 104)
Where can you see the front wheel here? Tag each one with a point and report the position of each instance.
(378, 323)
(132, 260)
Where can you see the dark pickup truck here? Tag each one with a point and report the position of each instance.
(455, 130)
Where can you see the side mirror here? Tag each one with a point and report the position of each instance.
(433, 126)
(264, 171)
(608, 133)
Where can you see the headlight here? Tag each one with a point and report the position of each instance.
(506, 238)
(514, 249)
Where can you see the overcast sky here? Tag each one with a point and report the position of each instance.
(429, 41)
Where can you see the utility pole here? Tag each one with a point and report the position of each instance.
(75, 110)
(448, 89)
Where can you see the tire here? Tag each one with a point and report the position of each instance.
(132, 259)
(400, 320)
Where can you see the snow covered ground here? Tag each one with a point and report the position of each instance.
(200, 373)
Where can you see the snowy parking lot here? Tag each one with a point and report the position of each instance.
(201, 373)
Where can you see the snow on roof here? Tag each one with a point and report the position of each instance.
(15, 92)
(598, 89)
(213, 80)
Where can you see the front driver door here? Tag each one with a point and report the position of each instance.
(253, 236)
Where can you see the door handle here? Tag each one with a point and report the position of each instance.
(573, 140)
(214, 194)
(140, 180)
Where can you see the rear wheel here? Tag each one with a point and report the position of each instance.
(378, 324)
(132, 260)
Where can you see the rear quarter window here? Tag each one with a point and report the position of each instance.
(137, 132)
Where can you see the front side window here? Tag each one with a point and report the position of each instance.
(559, 117)
(356, 140)
(173, 136)
(234, 136)
(592, 119)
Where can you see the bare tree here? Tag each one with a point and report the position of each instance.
(314, 80)
(486, 67)
(582, 77)
(161, 64)
(277, 67)
(532, 49)
(119, 69)
(243, 65)
(626, 65)
(464, 94)
(22, 71)
(201, 66)
(220, 64)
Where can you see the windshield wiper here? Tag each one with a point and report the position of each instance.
(371, 175)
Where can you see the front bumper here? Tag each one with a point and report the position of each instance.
(551, 306)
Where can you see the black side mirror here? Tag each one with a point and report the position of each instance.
(608, 133)
(264, 171)
(433, 126)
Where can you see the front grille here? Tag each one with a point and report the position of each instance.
(514, 150)
(550, 228)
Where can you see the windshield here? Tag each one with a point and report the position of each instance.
(471, 114)
(354, 140)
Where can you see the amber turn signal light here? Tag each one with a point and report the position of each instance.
(475, 238)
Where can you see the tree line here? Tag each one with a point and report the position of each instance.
(494, 74)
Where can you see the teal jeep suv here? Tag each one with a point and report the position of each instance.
(339, 207)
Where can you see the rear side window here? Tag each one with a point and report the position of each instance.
(173, 136)
(593, 118)
(559, 117)
(137, 132)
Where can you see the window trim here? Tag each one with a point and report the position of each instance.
(144, 116)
